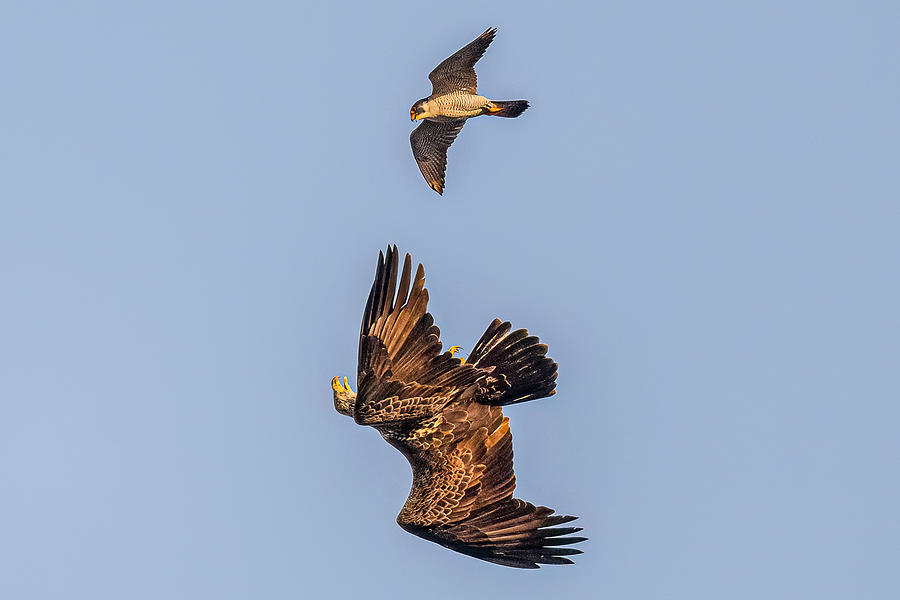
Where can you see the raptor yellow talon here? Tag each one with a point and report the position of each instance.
(453, 350)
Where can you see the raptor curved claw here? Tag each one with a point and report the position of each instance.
(453, 350)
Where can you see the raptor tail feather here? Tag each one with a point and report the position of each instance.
(521, 371)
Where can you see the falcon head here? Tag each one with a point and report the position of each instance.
(344, 397)
(418, 110)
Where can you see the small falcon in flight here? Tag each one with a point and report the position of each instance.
(453, 99)
(444, 414)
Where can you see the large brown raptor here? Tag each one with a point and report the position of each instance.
(444, 414)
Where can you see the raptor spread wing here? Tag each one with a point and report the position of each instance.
(457, 73)
(429, 142)
(402, 374)
(461, 496)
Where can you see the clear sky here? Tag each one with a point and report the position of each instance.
(699, 214)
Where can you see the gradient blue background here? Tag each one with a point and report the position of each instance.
(699, 214)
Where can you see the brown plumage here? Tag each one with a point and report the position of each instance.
(444, 414)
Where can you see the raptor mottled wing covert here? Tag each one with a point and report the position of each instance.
(402, 374)
(474, 511)
(445, 416)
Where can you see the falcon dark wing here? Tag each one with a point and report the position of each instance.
(457, 73)
(429, 142)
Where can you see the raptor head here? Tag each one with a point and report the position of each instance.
(418, 110)
(344, 397)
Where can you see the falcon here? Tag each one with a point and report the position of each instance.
(454, 98)
(444, 414)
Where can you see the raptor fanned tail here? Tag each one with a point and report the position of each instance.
(521, 371)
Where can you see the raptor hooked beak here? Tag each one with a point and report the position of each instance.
(336, 385)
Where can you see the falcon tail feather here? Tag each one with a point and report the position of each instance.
(508, 108)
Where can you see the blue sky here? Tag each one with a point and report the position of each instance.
(699, 214)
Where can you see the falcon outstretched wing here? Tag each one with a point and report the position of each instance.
(457, 73)
(429, 142)
(402, 374)
(461, 497)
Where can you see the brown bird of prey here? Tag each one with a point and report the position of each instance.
(453, 99)
(444, 414)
